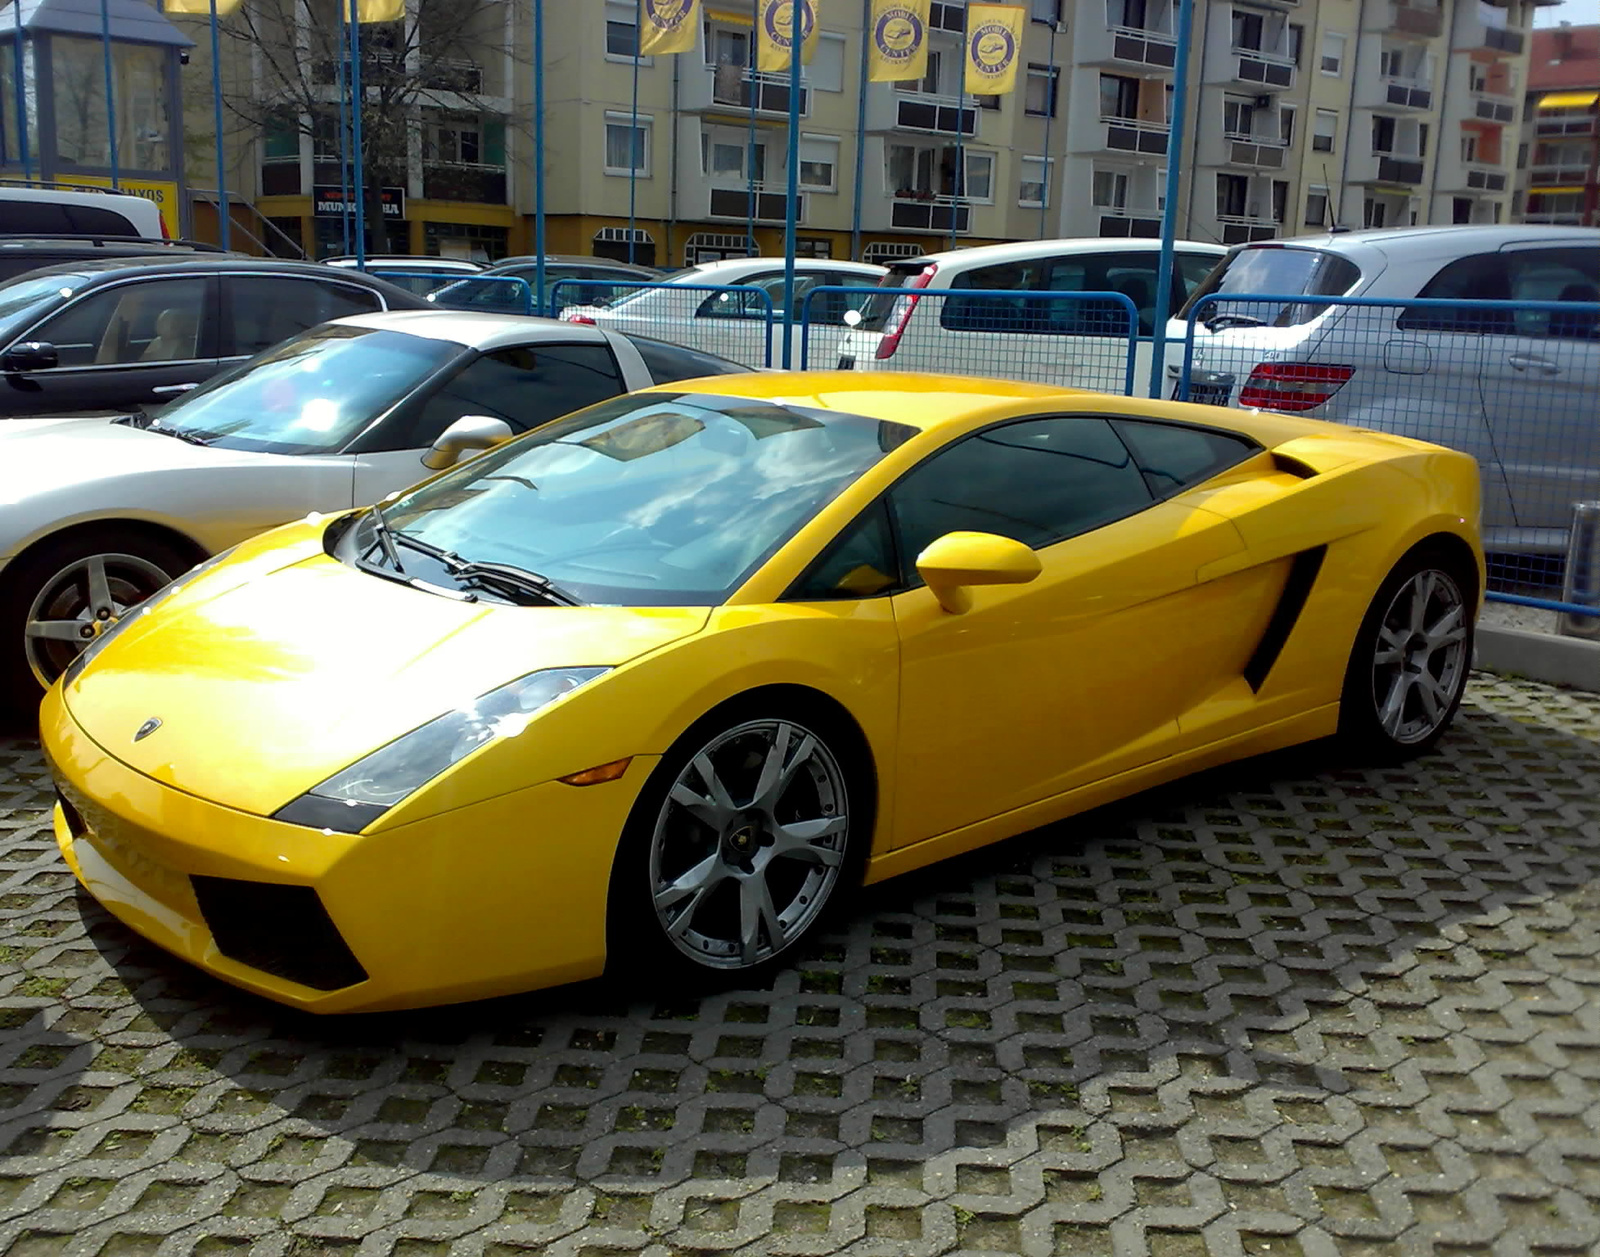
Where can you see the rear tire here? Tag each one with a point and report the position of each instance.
(748, 835)
(58, 599)
(1408, 668)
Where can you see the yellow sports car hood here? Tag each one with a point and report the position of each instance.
(270, 686)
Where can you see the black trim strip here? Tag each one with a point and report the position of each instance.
(1302, 575)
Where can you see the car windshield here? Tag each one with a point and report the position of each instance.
(1272, 270)
(24, 300)
(655, 499)
(309, 395)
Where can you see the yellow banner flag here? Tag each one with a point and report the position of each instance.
(775, 38)
(994, 39)
(201, 8)
(899, 40)
(374, 10)
(669, 26)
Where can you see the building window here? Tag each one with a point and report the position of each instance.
(1119, 96)
(1469, 148)
(929, 82)
(1286, 116)
(1232, 194)
(980, 177)
(280, 139)
(1297, 41)
(1040, 95)
(1422, 139)
(1247, 30)
(627, 146)
(1238, 117)
(1324, 129)
(1109, 189)
(1522, 156)
(813, 247)
(1333, 46)
(819, 163)
(1047, 11)
(1383, 130)
(622, 32)
(1034, 189)
(1317, 206)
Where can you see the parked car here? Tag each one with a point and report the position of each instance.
(120, 333)
(96, 515)
(1075, 343)
(604, 282)
(21, 254)
(656, 686)
(31, 209)
(418, 275)
(733, 324)
(1518, 390)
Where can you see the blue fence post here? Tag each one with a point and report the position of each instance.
(224, 219)
(22, 93)
(1169, 208)
(111, 100)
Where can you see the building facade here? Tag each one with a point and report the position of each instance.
(1302, 114)
(1558, 161)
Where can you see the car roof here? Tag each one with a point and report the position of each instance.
(402, 261)
(481, 331)
(573, 259)
(1023, 250)
(231, 262)
(1474, 236)
(728, 264)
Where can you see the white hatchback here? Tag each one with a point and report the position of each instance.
(1009, 327)
(734, 307)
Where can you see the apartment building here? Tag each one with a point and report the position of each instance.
(1558, 160)
(1303, 114)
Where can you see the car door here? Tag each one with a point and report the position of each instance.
(119, 347)
(525, 385)
(1080, 674)
(1541, 385)
(261, 310)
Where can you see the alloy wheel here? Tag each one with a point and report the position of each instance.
(749, 843)
(1420, 661)
(82, 601)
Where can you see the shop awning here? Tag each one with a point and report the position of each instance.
(1568, 100)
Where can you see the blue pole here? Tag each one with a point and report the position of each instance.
(356, 101)
(111, 104)
(792, 206)
(1169, 211)
(22, 94)
(753, 89)
(960, 185)
(538, 149)
(223, 223)
(861, 132)
(1049, 113)
(633, 128)
(344, 148)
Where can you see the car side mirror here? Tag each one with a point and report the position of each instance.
(468, 433)
(30, 355)
(957, 561)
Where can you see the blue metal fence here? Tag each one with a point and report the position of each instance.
(1516, 384)
(1074, 339)
(735, 321)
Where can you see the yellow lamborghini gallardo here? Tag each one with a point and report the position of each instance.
(656, 684)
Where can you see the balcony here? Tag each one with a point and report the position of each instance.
(1130, 223)
(1256, 150)
(1488, 106)
(1390, 168)
(1485, 29)
(1134, 135)
(461, 181)
(1423, 21)
(1482, 177)
(1555, 220)
(1406, 93)
(1244, 228)
(929, 211)
(465, 77)
(1553, 174)
(771, 203)
(1121, 47)
(731, 88)
(1545, 128)
(931, 114)
(1261, 69)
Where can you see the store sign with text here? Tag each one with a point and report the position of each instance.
(330, 202)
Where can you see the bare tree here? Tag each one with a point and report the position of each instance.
(445, 56)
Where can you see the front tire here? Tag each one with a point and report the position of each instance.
(747, 835)
(1408, 668)
(57, 600)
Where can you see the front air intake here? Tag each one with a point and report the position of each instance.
(281, 930)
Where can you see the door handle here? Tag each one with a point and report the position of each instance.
(167, 390)
(1527, 362)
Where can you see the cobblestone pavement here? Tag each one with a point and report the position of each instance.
(1275, 1010)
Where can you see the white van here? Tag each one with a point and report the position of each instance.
(26, 210)
(909, 326)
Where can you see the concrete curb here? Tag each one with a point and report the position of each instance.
(1545, 657)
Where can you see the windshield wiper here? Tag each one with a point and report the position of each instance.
(183, 434)
(504, 578)
(1233, 320)
(380, 529)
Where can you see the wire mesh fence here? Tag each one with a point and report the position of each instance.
(1514, 384)
(735, 321)
(1073, 339)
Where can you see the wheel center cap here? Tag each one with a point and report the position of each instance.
(743, 840)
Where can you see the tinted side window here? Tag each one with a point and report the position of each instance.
(156, 321)
(670, 363)
(1565, 275)
(54, 218)
(92, 220)
(748, 301)
(1173, 458)
(859, 564)
(1482, 277)
(261, 310)
(525, 387)
(1036, 482)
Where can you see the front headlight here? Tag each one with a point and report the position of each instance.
(76, 667)
(352, 799)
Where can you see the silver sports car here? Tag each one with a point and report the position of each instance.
(97, 514)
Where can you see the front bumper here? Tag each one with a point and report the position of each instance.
(497, 897)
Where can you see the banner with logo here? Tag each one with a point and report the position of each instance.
(374, 10)
(897, 46)
(774, 36)
(994, 40)
(201, 8)
(669, 26)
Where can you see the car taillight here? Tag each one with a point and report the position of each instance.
(165, 234)
(1292, 386)
(904, 308)
(579, 318)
